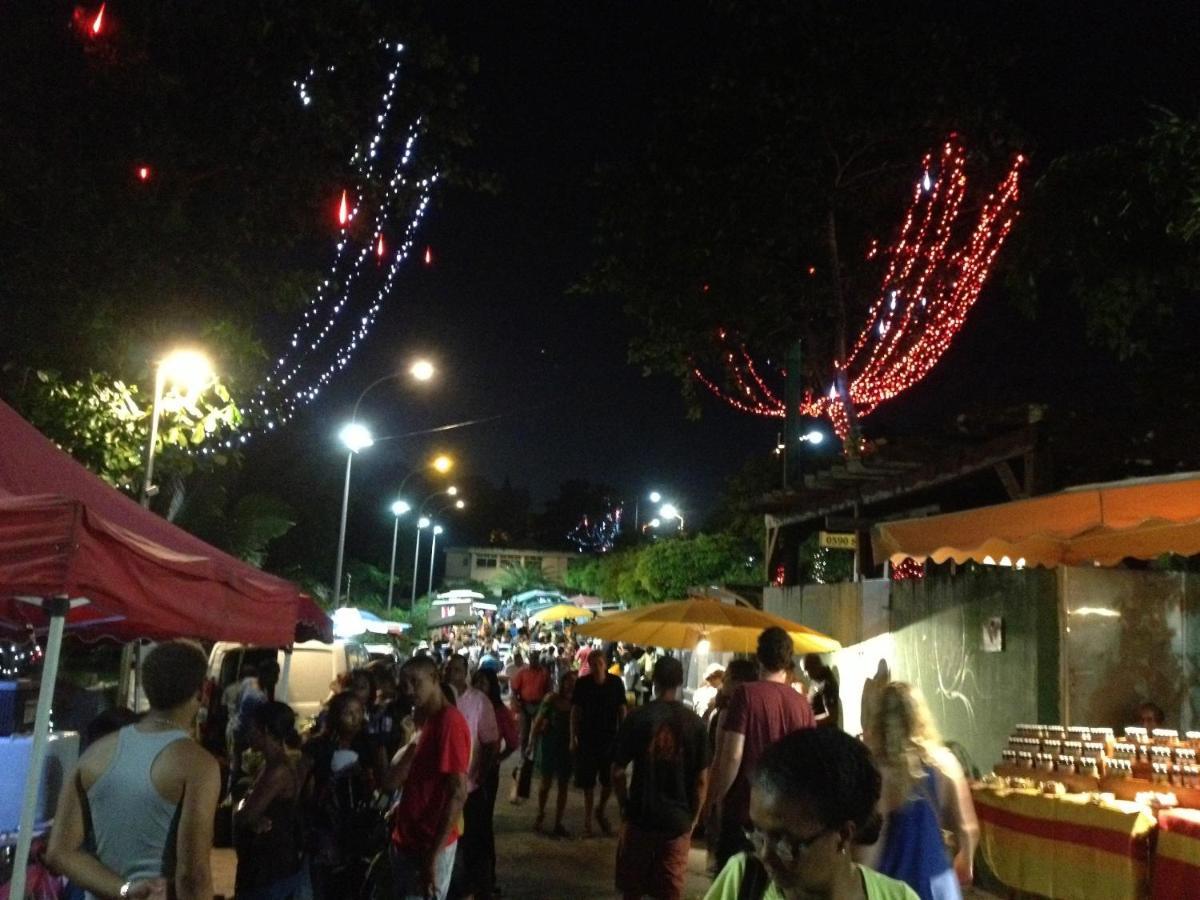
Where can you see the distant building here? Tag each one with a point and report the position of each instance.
(484, 564)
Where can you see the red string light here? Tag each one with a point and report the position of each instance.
(98, 23)
(429, 256)
(143, 173)
(934, 276)
(343, 211)
(380, 250)
(908, 570)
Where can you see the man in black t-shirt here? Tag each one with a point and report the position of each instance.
(823, 694)
(668, 746)
(598, 707)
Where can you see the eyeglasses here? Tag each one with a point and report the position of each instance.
(784, 847)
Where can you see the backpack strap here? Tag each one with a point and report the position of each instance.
(755, 879)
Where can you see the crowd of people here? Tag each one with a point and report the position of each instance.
(393, 789)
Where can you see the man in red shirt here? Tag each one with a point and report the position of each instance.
(432, 770)
(760, 713)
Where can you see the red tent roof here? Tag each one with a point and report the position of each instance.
(66, 532)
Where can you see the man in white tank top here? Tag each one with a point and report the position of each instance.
(152, 793)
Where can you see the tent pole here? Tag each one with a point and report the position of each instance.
(281, 690)
(56, 608)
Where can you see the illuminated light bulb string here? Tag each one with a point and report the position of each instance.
(934, 276)
(343, 309)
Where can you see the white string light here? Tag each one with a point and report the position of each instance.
(337, 310)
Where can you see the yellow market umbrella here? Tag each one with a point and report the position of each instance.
(560, 612)
(682, 624)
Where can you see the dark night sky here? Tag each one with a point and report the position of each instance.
(564, 86)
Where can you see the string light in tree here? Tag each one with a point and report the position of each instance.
(429, 256)
(98, 22)
(908, 570)
(143, 173)
(344, 305)
(936, 269)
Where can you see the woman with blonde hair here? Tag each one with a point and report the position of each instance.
(929, 827)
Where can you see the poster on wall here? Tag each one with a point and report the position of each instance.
(993, 635)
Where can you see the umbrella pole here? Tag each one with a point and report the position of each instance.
(281, 689)
(56, 608)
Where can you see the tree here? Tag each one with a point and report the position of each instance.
(667, 569)
(760, 196)
(522, 578)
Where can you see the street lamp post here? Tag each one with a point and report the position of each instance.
(422, 522)
(399, 508)
(668, 511)
(437, 529)
(355, 437)
(188, 368)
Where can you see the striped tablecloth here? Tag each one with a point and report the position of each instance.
(1177, 855)
(1061, 847)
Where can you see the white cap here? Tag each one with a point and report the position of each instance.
(712, 669)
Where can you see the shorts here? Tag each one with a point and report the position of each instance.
(406, 873)
(652, 864)
(592, 763)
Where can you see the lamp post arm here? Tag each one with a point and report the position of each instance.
(378, 381)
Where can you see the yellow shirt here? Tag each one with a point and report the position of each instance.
(879, 887)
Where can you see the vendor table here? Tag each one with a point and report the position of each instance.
(1177, 855)
(1064, 847)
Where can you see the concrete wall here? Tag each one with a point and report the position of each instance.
(929, 632)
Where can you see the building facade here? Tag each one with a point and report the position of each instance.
(485, 564)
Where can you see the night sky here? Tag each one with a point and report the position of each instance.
(564, 87)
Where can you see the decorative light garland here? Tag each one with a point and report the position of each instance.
(932, 281)
(292, 384)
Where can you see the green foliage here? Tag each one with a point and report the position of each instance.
(1117, 229)
(665, 569)
(823, 565)
(105, 422)
(257, 520)
(522, 578)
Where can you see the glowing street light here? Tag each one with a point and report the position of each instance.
(655, 497)
(812, 437)
(399, 508)
(668, 511)
(443, 463)
(189, 372)
(356, 437)
(422, 370)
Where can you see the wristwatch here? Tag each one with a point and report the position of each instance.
(125, 889)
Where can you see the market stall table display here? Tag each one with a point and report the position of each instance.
(1065, 846)
(1177, 855)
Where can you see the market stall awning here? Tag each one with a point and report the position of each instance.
(65, 532)
(1099, 524)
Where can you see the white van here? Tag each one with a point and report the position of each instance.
(315, 666)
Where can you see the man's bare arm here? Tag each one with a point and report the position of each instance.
(458, 797)
(725, 769)
(193, 846)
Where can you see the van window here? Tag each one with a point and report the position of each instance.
(356, 657)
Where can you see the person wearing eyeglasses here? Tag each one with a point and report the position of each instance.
(812, 799)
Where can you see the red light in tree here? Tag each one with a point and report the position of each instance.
(98, 23)
(429, 256)
(143, 173)
(379, 249)
(935, 272)
(705, 288)
(343, 211)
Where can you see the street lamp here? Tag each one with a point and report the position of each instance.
(442, 463)
(812, 437)
(186, 369)
(437, 529)
(668, 511)
(421, 369)
(399, 508)
(356, 437)
(422, 522)
(654, 497)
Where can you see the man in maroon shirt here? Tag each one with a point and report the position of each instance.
(760, 713)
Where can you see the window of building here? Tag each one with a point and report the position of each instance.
(509, 562)
(485, 562)
(533, 561)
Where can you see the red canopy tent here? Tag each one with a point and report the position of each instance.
(66, 532)
(89, 557)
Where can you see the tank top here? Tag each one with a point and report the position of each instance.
(134, 826)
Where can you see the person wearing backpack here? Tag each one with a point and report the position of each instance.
(929, 829)
(813, 797)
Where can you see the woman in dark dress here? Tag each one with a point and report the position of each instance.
(267, 823)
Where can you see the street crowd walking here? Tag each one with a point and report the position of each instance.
(392, 790)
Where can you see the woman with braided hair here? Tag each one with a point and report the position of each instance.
(812, 799)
